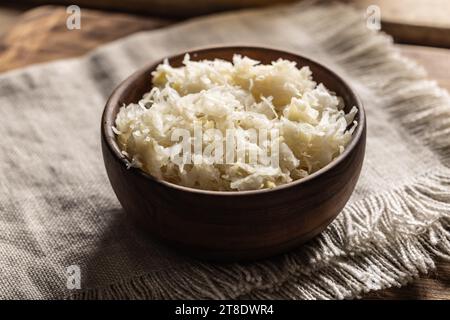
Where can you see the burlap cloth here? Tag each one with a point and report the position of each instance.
(57, 208)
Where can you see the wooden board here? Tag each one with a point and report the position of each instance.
(432, 13)
(8, 17)
(40, 35)
(422, 22)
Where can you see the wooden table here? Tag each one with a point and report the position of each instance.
(41, 35)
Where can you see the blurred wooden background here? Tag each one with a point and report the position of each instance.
(423, 22)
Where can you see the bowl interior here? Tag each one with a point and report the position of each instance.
(133, 88)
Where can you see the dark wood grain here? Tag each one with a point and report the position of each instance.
(235, 225)
(34, 48)
(166, 8)
(422, 22)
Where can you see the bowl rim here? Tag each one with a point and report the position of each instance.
(108, 135)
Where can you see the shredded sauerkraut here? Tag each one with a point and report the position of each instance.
(243, 96)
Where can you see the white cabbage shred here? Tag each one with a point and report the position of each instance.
(243, 95)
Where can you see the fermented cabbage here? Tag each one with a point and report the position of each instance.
(305, 125)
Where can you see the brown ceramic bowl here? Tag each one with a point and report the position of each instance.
(237, 225)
